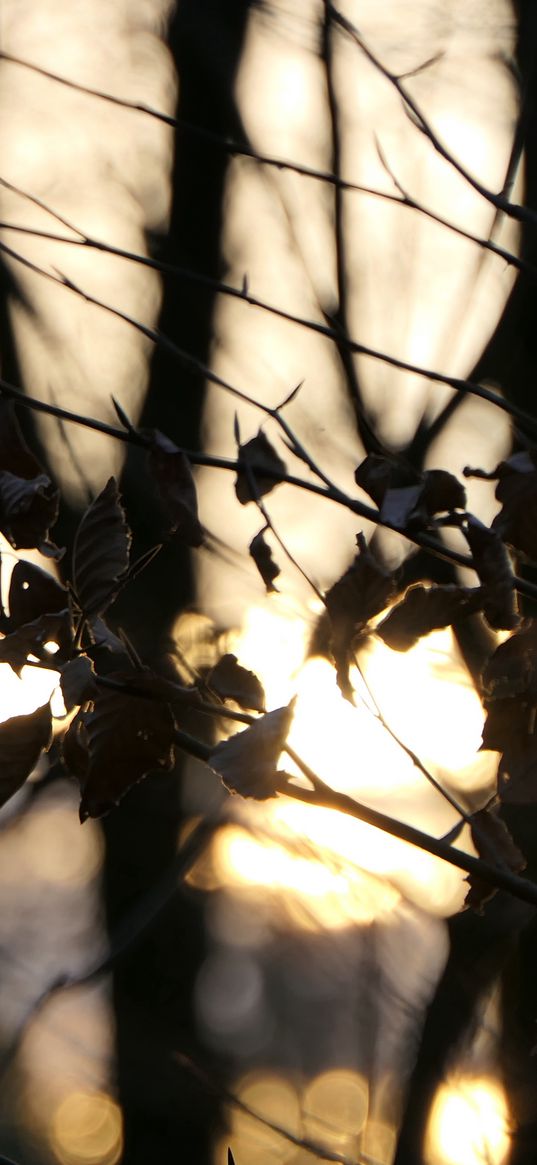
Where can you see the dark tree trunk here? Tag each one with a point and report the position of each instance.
(167, 1117)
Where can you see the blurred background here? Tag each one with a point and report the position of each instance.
(307, 971)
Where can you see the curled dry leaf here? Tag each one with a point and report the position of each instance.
(405, 497)
(101, 552)
(74, 747)
(247, 762)
(28, 510)
(494, 844)
(493, 565)
(512, 669)
(230, 681)
(33, 592)
(32, 638)
(78, 682)
(376, 474)
(261, 553)
(266, 467)
(22, 740)
(100, 643)
(171, 471)
(120, 741)
(442, 492)
(516, 522)
(422, 610)
(510, 691)
(362, 592)
(28, 500)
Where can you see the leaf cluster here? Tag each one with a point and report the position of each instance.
(124, 721)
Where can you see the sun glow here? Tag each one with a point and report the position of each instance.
(329, 1111)
(469, 1124)
(343, 869)
(87, 1129)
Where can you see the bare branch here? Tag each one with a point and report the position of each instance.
(499, 201)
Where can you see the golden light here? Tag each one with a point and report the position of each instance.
(328, 1111)
(274, 1099)
(314, 891)
(20, 696)
(335, 1107)
(423, 694)
(428, 698)
(52, 847)
(67, 347)
(379, 1143)
(86, 1129)
(469, 1123)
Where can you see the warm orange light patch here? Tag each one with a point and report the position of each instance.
(316, 892)
(87, 1130)
(335, 1108)
(273, 1098)
(427, 696)
(469, 1124)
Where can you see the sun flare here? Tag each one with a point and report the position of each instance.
(344, 870)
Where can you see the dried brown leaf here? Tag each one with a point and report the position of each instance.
(33, 592)
(422, 610)
(405, 497)
(74, 747)
(494, 844)
(260, 455)
(516, 522)
(22, 740)
(493, 565)
(28, 510)
(261, 553)
(232, 682)
(510, 691)
(442, 492)
(362, 592)
(127, 737)
(171, 471)
(493, 841)
(247, 762)
(101, 552)
(78, 682)
(31, 638)
(512, 668)
(28, 500)
(400, 504)
(377, 473)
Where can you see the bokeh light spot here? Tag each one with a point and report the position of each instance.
(87, 1129)
(469, 1124)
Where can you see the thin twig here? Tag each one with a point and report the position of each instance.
(224, 1095)
(499, 201)
(375, 711)
(250, 474)
(243, 149)
(330, 492)
(340, 316)
(323, 796)
(525, 420)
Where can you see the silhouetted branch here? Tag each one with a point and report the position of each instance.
(525, 420)
(499, 201)
(227, 1097)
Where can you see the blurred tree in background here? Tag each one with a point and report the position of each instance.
(103, 1071)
